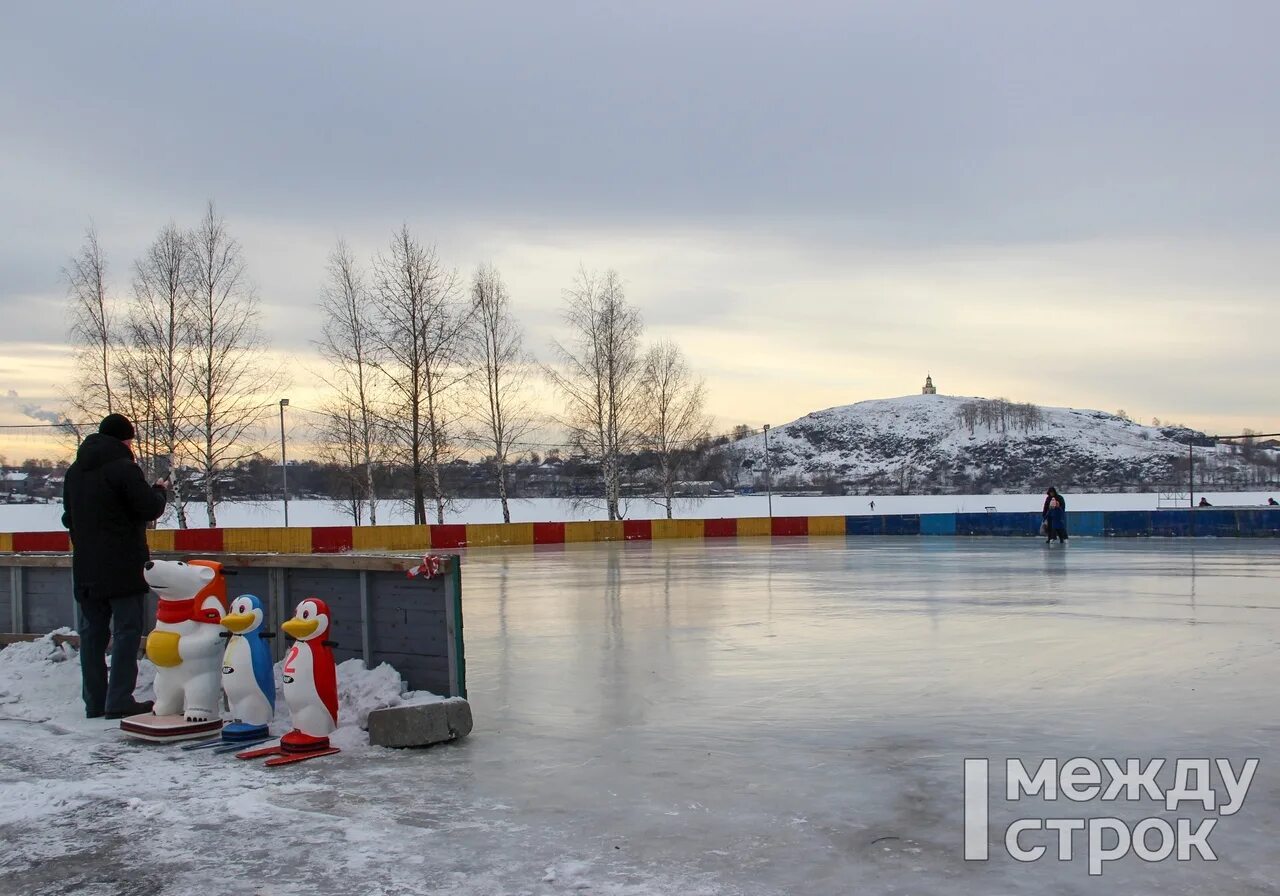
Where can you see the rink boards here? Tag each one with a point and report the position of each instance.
(1219, 522)
(380, 613)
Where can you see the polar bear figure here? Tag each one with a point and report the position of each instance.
(186, 644)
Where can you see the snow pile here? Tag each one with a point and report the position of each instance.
(40, 682)
(361, 690)
(39, 679)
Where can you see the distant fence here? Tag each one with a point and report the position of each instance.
(1222, 522)
(380, 613)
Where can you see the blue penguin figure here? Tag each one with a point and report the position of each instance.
(247, 676)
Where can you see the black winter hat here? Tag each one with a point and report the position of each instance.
(117, 426)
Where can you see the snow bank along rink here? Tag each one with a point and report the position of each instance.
(783, 716)
(311, 512)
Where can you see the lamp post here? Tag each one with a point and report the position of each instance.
(768, 477)
(1191, 472)
(284, 463)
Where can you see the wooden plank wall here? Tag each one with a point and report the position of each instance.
(412, 623)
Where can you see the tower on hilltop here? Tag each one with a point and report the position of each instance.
(928, 386)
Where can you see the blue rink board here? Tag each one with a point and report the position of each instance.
(1209, 522)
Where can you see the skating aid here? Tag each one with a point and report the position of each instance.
(282, 755)
(272, 750)
(233, 747)
(290, 758)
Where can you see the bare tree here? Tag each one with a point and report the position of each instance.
(673, 411)
(599, 376)
(226, 375)
(420, 325)
(339, 442)
(352, 433)
(159, 353)
(498, 396)
(92, 329)
(139, 397)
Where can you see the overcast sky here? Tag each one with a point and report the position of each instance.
(1073, 204)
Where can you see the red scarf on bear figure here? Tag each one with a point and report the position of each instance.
(175, 611)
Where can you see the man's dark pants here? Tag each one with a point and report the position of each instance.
(119, 621)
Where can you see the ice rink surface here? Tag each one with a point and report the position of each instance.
(724, 718)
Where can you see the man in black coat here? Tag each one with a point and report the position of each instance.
(1055, 516)
(106, 506)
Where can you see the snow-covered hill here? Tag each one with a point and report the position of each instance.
(921, 443)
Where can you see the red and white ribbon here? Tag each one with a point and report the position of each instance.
(430, 567)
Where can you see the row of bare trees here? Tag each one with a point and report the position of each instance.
(1001, 414)
(180, 356)
(395, 342)
(423, 365)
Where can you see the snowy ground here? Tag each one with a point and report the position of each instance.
(772, 717)
(46, 517)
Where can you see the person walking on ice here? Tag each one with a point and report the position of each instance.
(1054, 516)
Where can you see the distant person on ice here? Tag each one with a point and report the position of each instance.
(1204, 502)
(106, 506)
(1054, 516)
(1273, 502)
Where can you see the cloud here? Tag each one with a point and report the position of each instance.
(927, 122)
(1027, 199)
(23, 414)
(37, 413)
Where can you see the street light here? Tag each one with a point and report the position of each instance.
(284, 463)
(768, 479)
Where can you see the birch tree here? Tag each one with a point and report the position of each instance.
(338, 442)
(139, 397)
(159, 354)
(599, 376)
(225, 372)
(498, 392)
(93, 330)
(419, 346)
(351, 434)
(673, 411)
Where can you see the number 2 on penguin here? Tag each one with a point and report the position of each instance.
(288, 662)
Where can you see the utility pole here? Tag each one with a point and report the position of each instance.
(768, 477)
(1191, 472)
(284, 463)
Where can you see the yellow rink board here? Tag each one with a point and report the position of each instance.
(6, 542)
(600, 530)
(162, 539)
(677, 529)
(754, 527)
(267, 541)
(390, 538)
(826, 525)
(492, 535)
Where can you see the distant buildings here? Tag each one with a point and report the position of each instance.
(928, 386)
(26, 487)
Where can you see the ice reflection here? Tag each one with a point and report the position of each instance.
(842, 682)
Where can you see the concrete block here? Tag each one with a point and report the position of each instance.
(459, 712)
(420, 724)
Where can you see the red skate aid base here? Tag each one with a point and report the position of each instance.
(296, 746)
(166, 729)
(300, 742)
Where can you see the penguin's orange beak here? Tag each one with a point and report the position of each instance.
(239, 622)
(301, 629)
